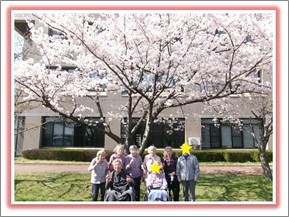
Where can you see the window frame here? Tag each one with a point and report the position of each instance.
(47, 139)
(153, 134)
(208, 123)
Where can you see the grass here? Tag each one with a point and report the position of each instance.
(77, 187)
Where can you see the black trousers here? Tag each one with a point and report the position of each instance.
(137, 182)
(174, 187)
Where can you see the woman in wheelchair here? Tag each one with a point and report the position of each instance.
(157, 187)
(119, 185)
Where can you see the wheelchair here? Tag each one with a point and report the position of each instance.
(131, 195)
(146, 196)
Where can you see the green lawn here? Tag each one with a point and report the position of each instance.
(77, 187)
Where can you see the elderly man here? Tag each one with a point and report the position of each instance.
(119, 184)
(188, 172)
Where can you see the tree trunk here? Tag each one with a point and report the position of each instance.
(265, 165)
(144, 141)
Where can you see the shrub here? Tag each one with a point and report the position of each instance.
(62, 154)
(37, 154)
(238, 156)
(255, 155)
(86, 155)
(209, 156)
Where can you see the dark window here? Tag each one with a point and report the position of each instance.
(56, 35)
(70, 70)
(59, 133)
(168, 132)
(226, 135)
(250, 126)
(98, 81)
(162, 80)
(211, 135)
(139, 133)
(89, 136)
(215, 136)
(165, 132)
(256, 74)
(237, 136)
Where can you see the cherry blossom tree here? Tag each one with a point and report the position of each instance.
(161, 61)
(263, 112)
(260, 124)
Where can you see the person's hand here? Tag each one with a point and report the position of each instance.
(128, 179)
(107, 178)
(94, 165)
(97, 163)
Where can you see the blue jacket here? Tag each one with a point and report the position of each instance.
(188, 168)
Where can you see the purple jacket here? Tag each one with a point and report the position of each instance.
(134, 168)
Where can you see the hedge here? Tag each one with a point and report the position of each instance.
(238, 156)
(62, 154)
(86, 155)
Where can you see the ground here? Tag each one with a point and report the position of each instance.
(82, 168)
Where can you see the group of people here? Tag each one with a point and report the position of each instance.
(120, 178)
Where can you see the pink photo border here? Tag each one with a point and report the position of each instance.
(136, 206)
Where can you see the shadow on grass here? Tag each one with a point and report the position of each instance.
(52, 187)
(234, 188)
(77, 187)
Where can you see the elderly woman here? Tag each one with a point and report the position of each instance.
(118, 154)
(149, 160)
(98, 168)
(133, 167)
(156, 184)
(170, 167)
(119, 184)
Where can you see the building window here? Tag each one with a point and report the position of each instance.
(139, 134)
(56, 34)
(98, 81)
(164, 132)
(257, 74)
(59, 133)
(168, 132)
(237, 137)
(226, 135)
(21, 37)
(211, 134)
(145, 83)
